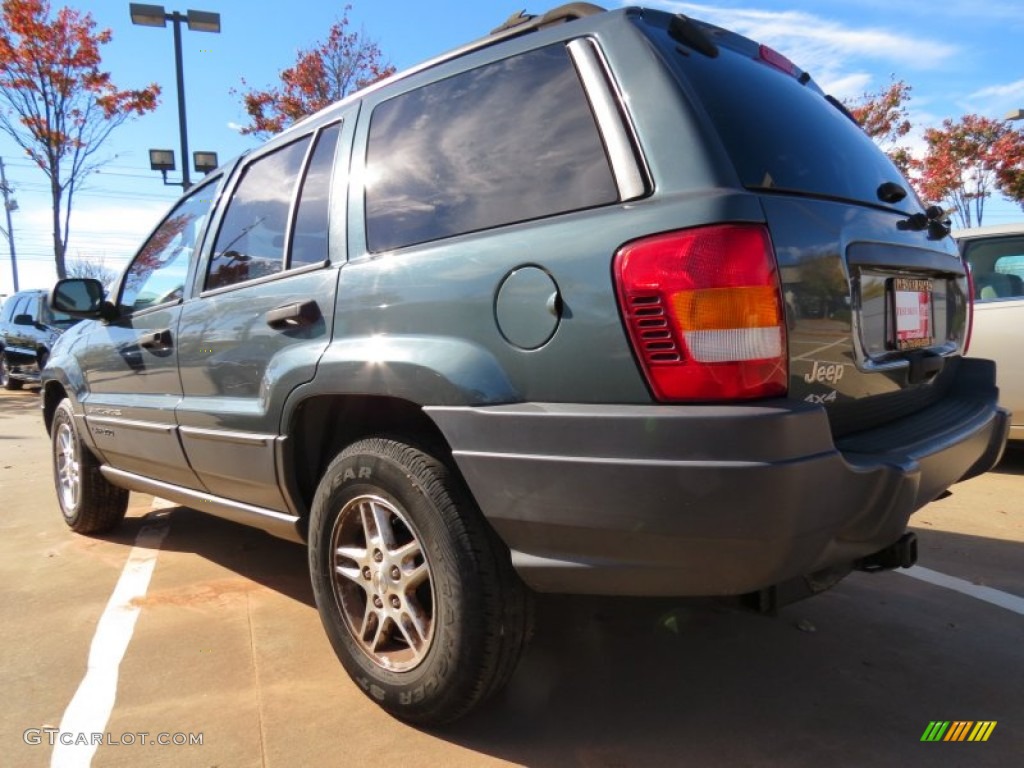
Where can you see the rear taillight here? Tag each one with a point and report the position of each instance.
(703, 308)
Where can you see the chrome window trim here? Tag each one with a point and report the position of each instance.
(610, 118)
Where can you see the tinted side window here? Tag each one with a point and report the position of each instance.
(32, 308)
(158, 273)
(309, 238)
(250, 243)
(997, 265)
(507, 142)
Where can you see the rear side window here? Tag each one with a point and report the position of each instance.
(510, 141)
(997, 265)
(309, 238)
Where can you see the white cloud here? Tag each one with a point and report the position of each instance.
(995, 100)
(826, 48)
(847, 87)
(236, 127)
(112, 232)
(105, 232)
(1013, 90)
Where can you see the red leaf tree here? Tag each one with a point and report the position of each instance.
(321, 75)
(967, 160)
(883, 116)
(56, 103)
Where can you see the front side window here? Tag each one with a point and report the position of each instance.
(157, 275)
(997, 266)
(511, 141)
(251, 240)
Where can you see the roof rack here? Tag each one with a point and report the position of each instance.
(527, 22)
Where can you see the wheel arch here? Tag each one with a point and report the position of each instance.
(51, 395)
(321, 426)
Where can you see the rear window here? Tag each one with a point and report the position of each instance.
(782, 135)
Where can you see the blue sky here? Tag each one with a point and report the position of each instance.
(959, 56)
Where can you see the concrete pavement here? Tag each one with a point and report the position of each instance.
(228, 645)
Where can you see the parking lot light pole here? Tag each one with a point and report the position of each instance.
(10, 204)
(1015, 114)
(198, 21)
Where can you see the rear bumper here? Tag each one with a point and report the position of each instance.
(706, 499)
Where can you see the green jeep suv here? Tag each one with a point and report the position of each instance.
(606, 302)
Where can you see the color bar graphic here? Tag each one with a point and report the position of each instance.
(958, 730)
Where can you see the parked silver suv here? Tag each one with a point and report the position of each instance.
(607, 302)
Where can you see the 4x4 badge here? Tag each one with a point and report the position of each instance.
(821, 399)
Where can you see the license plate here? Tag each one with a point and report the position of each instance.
(912, 309)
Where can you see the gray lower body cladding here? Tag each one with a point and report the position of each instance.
(709, 499)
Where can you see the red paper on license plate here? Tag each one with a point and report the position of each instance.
(912, 300)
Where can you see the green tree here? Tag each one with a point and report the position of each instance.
(55, 101)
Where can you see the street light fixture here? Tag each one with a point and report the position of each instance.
(204, 162)
(147, 15)
(1015, 114)
(163, 160)
(198, 21)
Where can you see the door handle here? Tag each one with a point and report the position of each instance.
(157, 340)
(294, 315)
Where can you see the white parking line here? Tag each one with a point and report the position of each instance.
(90, 708)
(987, 594)
(819, 350)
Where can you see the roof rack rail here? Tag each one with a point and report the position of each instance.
(527, 22)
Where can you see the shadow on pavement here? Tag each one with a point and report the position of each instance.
(252, 554)
(849, 678)
(1013, 460)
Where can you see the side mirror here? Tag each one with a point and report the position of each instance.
(23, 320)
(79, 297)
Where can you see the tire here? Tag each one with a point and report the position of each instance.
(416, 592)
(88, 502)
(5, 376)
